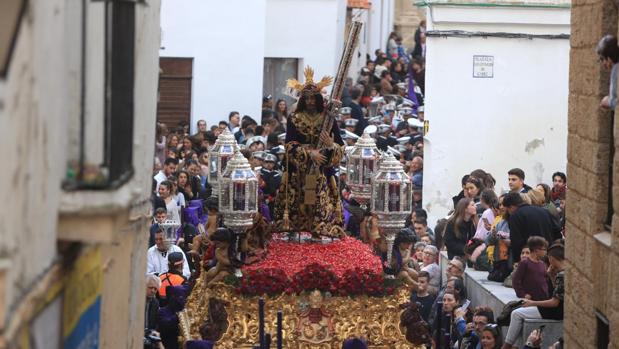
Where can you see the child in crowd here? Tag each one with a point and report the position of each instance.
(422, 231)
(529, 279)
(427, 239)
(400, 258)
(418, 256)
(524, 254)
(159, 217)
(423, 296)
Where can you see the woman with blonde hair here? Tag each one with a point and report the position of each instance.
(548, 204)
(534, 197)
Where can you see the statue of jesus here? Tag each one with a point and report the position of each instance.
(308, 198)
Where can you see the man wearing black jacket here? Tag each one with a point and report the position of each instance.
(526, 221)
(355, 110)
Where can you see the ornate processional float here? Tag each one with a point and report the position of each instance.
(304, 294)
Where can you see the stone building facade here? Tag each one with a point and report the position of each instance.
(73, 243)
(407, 18)
(592, 280)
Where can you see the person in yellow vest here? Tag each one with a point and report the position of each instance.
(174, 275)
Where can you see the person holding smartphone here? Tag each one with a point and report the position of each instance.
(534, 341)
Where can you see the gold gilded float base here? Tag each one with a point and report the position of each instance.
(309, 320)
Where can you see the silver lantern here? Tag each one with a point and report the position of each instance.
(361, 165)
(238, 193)
(222, 151)
(391, 198)
(169, 228)
(238, 198)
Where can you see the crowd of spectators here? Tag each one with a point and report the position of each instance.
(517, 236)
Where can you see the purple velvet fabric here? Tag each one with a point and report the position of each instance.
(264, 211)
(192, 215)
(168, 320)
(199, 344)
(345, 212)
(354, 343)
(195, 203)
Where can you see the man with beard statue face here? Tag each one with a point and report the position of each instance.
(308, 198)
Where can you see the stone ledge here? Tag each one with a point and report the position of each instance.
(604, 238)
(481, 291)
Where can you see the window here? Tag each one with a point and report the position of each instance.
(602, 331)
(11, 13)
(276, 72)
(120, 31)
(101, 137)
(611, 157)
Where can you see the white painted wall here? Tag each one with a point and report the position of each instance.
(33, 115)
(516, 119)
(226, 39)
(39, 103)
(381, 22)
(310, 30)
(359, 58)
(229, 40)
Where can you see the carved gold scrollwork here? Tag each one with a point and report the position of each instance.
(376, 319)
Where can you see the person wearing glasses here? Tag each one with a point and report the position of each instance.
(472, 332)
(430, 265)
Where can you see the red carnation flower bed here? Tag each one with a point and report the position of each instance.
(345, 267)
(340, 256)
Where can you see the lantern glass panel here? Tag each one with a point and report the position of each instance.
(379, 201)
(224, 195)
(252, 204)
(396, 176)
(354, 166)
(238, 196)
(224, 161)
(367, 152)
(213, 166)
(394, 197)
(407, 200)
(368, 170)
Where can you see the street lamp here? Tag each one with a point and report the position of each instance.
(222, 151)
(360, 167)
(391, 198)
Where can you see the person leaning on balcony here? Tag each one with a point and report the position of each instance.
(608, 53)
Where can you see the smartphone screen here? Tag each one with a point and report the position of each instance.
(466, 304)
(541, 329)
